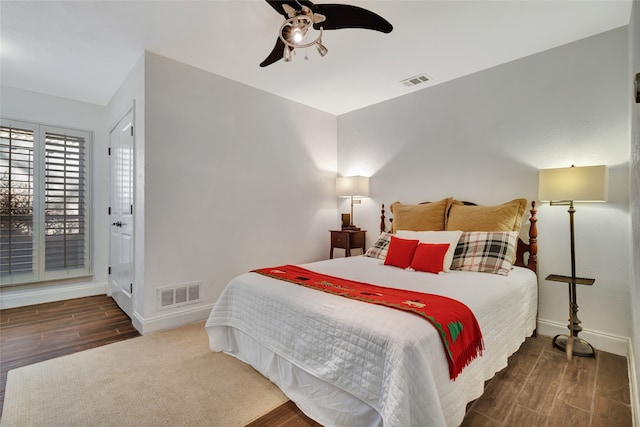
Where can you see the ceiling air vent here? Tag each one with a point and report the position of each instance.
(416, 80)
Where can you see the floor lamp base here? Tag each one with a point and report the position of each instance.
(580, 346)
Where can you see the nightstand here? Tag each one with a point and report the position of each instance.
(347, 240)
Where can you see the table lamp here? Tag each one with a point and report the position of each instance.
(352, 187)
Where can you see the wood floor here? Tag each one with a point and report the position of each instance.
(40, 332)
(538, 388)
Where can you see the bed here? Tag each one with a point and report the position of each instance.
(348, 363)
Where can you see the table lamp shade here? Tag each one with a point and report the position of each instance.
(352, 186)
(578, 184)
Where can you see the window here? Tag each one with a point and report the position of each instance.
(44, 203)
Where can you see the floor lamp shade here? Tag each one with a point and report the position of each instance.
(578, 184)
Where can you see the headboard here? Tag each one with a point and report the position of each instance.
(524, 248)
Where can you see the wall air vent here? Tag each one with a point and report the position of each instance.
(416, 80)
(178, 296)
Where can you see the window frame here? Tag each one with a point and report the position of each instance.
(39, 272)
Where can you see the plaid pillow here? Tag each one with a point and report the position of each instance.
(487, 252)
(380, 247)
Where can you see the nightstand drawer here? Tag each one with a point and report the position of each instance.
(339, 240)
(347, 240)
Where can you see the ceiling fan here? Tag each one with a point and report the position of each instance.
(302, 15)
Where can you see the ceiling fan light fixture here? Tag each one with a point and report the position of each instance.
(293, 32)
(287, 54)
(322, 50)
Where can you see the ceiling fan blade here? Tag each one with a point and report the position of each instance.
(275, 55)
(346, 16)
(277, 5)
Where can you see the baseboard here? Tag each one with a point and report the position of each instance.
(19, 297)
(634, 386)
(599, 340)
(171, 320)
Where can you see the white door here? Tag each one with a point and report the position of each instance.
(121, 213)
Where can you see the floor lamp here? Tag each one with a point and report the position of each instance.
(352, 186)
(563, 187)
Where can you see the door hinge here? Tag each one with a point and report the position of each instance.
(109, 270)
(109, 150)
(130, 288)
(109, 210)
(131, 209)
(131, 130)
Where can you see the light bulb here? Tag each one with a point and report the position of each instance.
(297, 35)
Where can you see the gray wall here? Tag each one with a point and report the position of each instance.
(235, 179)
(484, 137)
(634, 50)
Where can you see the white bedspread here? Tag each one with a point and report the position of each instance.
(389, 359)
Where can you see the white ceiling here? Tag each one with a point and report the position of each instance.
(84, 49)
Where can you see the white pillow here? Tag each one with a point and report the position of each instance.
(450, 237)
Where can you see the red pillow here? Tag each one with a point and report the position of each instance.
(429, 257)
(400, 252)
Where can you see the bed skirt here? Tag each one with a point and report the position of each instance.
(315, 397)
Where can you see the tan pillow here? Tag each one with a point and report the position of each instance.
(505, 217)
(423, 217)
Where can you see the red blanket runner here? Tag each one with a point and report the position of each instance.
(456, 324)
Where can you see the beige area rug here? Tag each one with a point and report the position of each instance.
(169, 378)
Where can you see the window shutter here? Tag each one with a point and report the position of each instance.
(16, 200)
(65, 228)
(45, 203)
